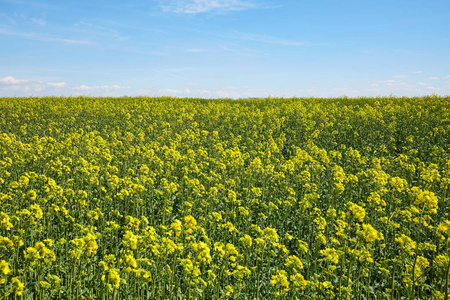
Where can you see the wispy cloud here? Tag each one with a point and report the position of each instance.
(9, 80)
(98, 31)
(434, 78)
(417, 72)
(400, 76)
(39, 21)
(202, 6)
(446, 77)
(89, 88)
(10, 84)
(44, 37)
(233, 92)
(57, 84)
(267, 39)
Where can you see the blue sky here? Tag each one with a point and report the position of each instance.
(225, 48)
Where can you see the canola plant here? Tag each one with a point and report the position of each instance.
(170, 198)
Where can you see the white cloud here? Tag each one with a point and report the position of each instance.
(374, 85)
(10, 80)
(88, 88)
(10, 86)
(233, 92)
(388, 81)
(400, 76)
(56, 84)
(202, 6)
(417, 72)
(434, 78)
(432, 88)
(446, 77)
(38, 21)
(423, 83)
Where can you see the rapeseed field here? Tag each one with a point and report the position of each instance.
(170, 198)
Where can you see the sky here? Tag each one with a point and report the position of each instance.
(225, 48)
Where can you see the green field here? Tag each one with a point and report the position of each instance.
(170, 198)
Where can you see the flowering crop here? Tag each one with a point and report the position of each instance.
(169, 198)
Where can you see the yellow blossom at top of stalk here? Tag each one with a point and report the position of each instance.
(4, 221)
(294, 262)
(4, 267)
(280, 279)
(370, 234)
(270, 234)
(37, 211)
(358, 212)
(330, 254)
(444, 228)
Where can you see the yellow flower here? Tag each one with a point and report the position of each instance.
(32, 254)
(246, 240)
(294, 262)
(231, 252)
(18, 286)
(114, 278)
(420, 264)
(130, 260)
(4, 221)
(5, 242)
(370, 234)
(130, 240)
(330, 254)
(229, 290)
(169, 245)
(45, 284)
(47, 254)
(270, 234)
(216, 216)
(299, 281)
(104, 265)
(203, 250)
(144, 169)
(357, 211)
(281, 280)
(241, 271)
(229, 226)
(426, 198)
(91, 243)
(37, 211)
(190, 223)
(4, 267)
(32, 195)
(303, 246)
(444, 228)
(176, 225)
(218, 246)
(442, 261)
(406, 243)
(398, 183)
(188, 266)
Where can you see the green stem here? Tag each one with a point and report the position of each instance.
(446, 281)
(413, 277)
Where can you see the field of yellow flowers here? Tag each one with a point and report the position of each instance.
(169, 198)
